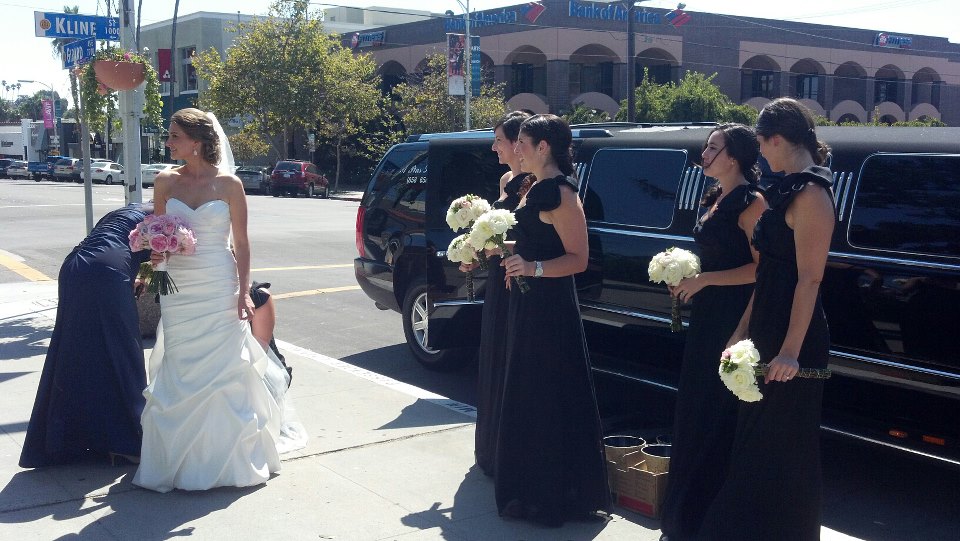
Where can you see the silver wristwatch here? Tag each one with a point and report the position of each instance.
(539, 272)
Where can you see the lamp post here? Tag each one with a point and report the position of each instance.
(468, 67)
(53, 103)
(631, 61)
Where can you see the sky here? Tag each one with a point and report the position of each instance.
(25, 56)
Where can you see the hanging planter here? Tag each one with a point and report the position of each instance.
(119, 75)
(115, 69)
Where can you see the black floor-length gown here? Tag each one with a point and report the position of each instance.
(773, 486)
(90, 394)
(493, 347)
(706, 411)
(550, 462)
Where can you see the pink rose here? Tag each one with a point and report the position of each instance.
(136, 241)
(159, 243)
(173, 244)
(169, 227)
(154, 229)
(126, 56)
(188, 249)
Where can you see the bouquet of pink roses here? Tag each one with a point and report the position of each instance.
(168, 235)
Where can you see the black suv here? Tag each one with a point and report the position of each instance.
(891, 288)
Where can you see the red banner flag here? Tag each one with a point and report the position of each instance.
(163, 65)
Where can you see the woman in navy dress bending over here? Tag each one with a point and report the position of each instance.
(550, 463)
(706, 412)
(493, 329)
(772, 490)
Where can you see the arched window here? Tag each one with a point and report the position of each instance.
(527, 71)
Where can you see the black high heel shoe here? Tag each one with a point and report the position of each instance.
(119, 459)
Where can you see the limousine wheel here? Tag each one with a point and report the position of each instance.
(416, 331)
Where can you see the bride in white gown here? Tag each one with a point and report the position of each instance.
(215, 410)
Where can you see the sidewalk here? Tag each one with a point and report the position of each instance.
(347, 195)
(385, 460)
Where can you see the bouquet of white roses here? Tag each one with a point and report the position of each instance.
(489, 232)
(739, 366)
(465, 210)
(461, 251)
(670, 267)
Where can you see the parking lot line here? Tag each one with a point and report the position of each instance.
(304, 267)
(22, 269)
(314, 292)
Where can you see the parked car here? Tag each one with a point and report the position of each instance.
(891, 289)
(104, 172)
(68, 169)
(4, 163)
(18, 169)
(149, 173)
(296, 177)
(254, 179)
(38, 170)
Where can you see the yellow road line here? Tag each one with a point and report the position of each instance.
(23, 270)
(303, 267)
(314, 292)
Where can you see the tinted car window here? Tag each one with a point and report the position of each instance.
(634, 186)
(393, 169)
(287, 166)
(463, 169)
(908, 203)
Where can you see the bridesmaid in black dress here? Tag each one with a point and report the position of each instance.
(91, 389)
(494, 325)
(550, 463)
(773, 485)
(706, 412)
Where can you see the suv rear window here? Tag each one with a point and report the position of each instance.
(287, 166)
(65, 161)
(634, 186)
(395, 169)
(908, 203)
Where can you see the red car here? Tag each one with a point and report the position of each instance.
(296, 177)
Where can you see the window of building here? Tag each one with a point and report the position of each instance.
(591, 78)
(189, 79)
(885, 90)
(908, 203)
(762, 84)
(634, 186)
(660, 74)
(528, 78)
(808, 87)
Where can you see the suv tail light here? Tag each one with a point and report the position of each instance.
(361, 210)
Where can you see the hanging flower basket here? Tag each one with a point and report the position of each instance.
(120, 75)
(115, 69)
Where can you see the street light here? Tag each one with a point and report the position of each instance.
(53, 103)
(631, 61)
(468, 67)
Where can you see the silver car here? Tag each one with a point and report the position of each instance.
(254, 179)
(18, 169)
(149, 173)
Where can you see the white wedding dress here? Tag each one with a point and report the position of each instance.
(215, 412)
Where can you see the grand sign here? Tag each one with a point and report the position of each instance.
(610, 12)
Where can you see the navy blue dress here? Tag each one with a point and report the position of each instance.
(493, 351)
(772, 490)
(90, 394)
(550, 462)
(706, 412)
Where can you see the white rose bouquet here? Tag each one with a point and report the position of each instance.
(461, 251)
(670, 267)
(465, 210)
(489, 232)
(740, 367)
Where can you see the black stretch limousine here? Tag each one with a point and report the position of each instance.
(891, 289)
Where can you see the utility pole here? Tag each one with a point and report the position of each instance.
(131, 110)
(468, 67)
(631, 60)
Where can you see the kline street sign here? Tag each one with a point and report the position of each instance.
(79, 52)
(68, 25)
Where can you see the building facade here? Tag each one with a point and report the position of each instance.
(553, 54)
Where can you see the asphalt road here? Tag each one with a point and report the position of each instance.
(305, 248)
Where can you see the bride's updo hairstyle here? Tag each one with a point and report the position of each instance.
(556, 132)
(197, 125)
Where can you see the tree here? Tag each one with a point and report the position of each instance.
(694, 99)
(581, 114)
(425, 105)
(31, 106)
(248, 144)
(276, 72)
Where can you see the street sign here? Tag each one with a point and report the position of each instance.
(69, 25)
(79, 52)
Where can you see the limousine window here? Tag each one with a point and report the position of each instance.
(634, 186)
(393, 171)
(413, 188)
(467, 170)
(908, 203)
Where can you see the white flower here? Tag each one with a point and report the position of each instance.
(738, 368)
(673, 265)
(460, 250)
(490, 229)
(463, 211)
